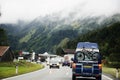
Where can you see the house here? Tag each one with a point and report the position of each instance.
(69, 51)
(24, 55)
(6, 54)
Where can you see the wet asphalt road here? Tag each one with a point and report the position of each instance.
(64, 73)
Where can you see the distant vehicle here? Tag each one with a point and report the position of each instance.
(38, 61)
(66, 61)
(60, 59)
(54, 63)
(87, 61)
(48, 63)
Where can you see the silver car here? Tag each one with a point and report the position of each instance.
(54, 64)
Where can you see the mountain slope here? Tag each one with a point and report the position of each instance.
(47, 33)
(108, 39)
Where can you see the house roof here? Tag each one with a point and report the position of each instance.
(69, 51)
(3, 49)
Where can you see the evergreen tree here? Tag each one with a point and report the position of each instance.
(108, 39)
(3, 38)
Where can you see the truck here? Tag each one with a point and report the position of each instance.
(66, 61)
(87, 61)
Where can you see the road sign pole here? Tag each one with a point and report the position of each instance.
(16, 69)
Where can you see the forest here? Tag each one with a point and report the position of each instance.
(108, 39)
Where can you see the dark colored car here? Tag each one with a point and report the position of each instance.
(87, 61)
(66, 63)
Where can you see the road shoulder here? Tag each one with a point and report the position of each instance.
(109, 76)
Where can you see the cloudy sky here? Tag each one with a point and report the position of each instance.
(13, 10)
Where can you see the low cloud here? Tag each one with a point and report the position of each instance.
(12, 10)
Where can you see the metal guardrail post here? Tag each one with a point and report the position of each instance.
(117, 73)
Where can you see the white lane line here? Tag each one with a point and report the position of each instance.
(107, 77)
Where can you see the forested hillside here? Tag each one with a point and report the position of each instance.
(52, 32)
(3, 38)
(108, 39)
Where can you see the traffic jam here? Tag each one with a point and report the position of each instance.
(85, 61)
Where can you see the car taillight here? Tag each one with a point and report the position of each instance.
(100, 66)
(73, 65)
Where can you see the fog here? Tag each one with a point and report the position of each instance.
(27, 10)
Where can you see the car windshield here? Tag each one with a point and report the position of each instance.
(54, 61)
(87, 56)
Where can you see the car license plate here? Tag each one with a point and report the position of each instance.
(87, 66)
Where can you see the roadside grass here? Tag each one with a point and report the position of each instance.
(111, 71)
(8, 69)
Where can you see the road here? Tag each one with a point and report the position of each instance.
(64, 73)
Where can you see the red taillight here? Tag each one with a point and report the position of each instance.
(73, 65)
(100, 66)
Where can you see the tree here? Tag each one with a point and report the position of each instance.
(59, 51)
(114, 60)
(3, 38)
(108, 39)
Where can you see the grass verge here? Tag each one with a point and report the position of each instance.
(8, 69)
(111, 71)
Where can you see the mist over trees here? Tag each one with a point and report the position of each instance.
(54, 36)
(3, 38)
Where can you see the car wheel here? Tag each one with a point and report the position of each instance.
(73, 77)
(50, 67)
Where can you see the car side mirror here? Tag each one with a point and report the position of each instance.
(72, 59)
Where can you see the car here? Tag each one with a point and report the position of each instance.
(48, 63)
(87, 61)
(54, 64)
(38, 62)
(66, 63)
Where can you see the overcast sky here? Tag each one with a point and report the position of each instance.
(13, 10)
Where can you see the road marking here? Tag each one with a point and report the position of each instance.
(107, 77)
